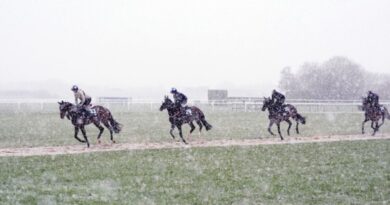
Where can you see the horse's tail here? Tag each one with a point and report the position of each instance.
(294, 114)
(116, 125)
(387, 114)
(205, 123)
(300, 118)
(202, 118)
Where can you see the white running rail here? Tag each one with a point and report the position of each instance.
(303, 105)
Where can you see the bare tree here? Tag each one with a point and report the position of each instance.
(337, 78)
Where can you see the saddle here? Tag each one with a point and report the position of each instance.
(281, 109)
(185, 111)
(375, 110)
(86, 111)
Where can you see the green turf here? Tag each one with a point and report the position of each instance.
(319, 173)
(40, 129)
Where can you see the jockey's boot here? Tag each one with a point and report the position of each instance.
(283, 110)
(188, 111)
(182, 111)
(89, 112)
(86, 111)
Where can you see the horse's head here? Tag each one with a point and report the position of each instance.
(64, 108)
(266, 103)
(166, 104)
(365, 103)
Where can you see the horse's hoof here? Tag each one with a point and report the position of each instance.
(113, 141)
(99, 142)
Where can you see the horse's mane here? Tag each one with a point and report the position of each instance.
(65, 102)
(167, 99)
(268, 101)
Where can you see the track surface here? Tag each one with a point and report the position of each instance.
(79, 149)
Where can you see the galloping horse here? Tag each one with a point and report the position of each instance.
(177, 117)
(276, 116)
(374, 114)
(79, 121)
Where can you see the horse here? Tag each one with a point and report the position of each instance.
(374, 114)
(103, 115)
(178, 117)
(277, 116)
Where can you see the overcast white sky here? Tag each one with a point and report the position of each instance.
(185, 42)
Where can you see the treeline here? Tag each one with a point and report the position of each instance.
(338, 78)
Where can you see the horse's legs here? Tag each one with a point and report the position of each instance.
(364, 122)
(383, 122)
(85, 135)
(111, 130)
(289, 126)
(280, 134)
(171, 131)
(181, 134)
(192, 127)
(297, 128)
(269, 127)
(76, 132)
(101, 129)
(376, 129)
(200, 125)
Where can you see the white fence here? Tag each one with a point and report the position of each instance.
(303, 106)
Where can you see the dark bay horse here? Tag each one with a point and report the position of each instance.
(276, 116)
(177, 117)
(374, 114)
(103, 115)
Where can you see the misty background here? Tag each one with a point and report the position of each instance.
(141, 48)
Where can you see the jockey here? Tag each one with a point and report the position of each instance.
(278, 99)
(85, 100)
(180, 100)
(373, 98)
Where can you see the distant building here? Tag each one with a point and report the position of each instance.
(217, 95)
(114, 100)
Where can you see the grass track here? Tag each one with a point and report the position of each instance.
(18, 130)
(330, 173)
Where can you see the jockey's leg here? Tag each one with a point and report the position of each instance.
(186, 108)
(87, 111)
(87, 108)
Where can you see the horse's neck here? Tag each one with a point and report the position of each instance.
(373, 109)
(172, 111)
(271, 109)
(73, 115)
(73, 111)
(272, 112)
